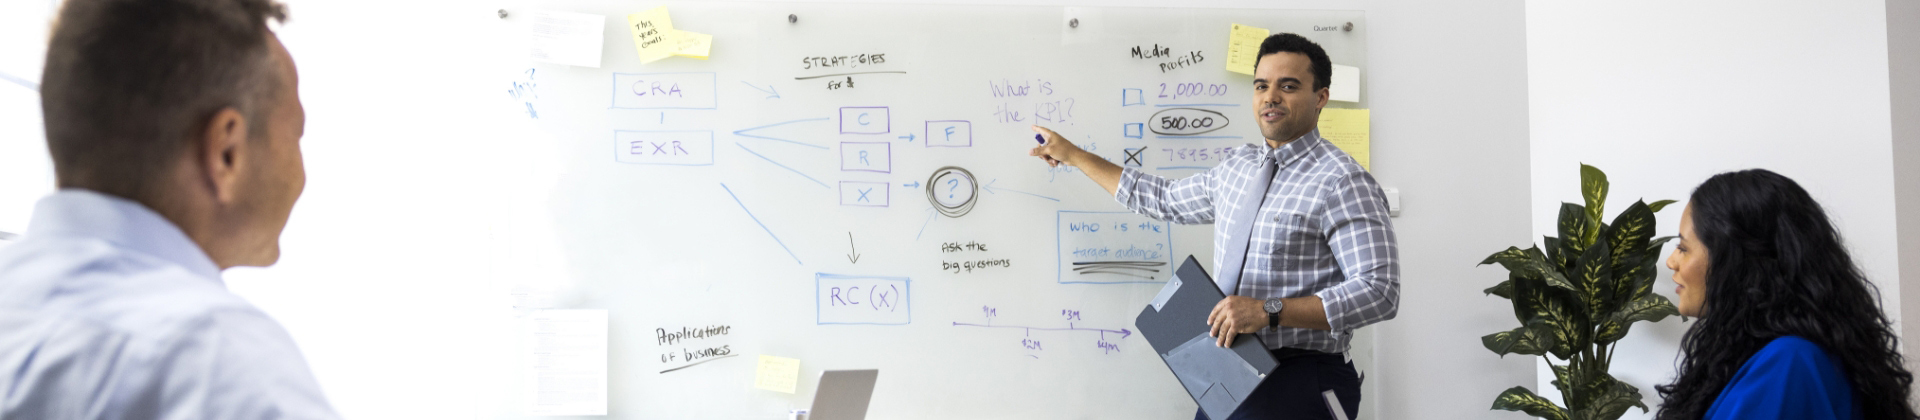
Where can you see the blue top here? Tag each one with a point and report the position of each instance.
(109, 311)
(1790, 378)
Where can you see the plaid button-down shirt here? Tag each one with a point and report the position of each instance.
(1322, 232)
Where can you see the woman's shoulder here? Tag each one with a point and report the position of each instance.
(1793, 343)
(1792, 351)
(1791, 377)
(1789, 358)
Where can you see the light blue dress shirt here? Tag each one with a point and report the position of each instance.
(109, 311)
(1323, 231)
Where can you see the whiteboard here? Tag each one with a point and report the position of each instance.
(852, 189)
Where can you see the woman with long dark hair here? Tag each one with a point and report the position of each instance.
(1787, 325)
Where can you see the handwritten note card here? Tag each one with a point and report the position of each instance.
(566, 38)
(565, 362)
(692, 44)
(1350, 130)
(652, 34)
(777, 374)
(1243, 47)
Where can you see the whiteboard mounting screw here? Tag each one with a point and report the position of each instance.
(1073, 23)
(793, 19)
(1348, 28)
(503, 13)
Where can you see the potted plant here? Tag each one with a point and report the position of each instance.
(1576, 299)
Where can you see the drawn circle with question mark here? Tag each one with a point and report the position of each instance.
(952, 191)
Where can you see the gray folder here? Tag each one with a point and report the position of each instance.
(1175, 324)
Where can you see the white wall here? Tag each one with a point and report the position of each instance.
(25, 172)
(1664, 94)
(388, 312)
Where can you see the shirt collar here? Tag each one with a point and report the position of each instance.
(1294, 150)
(121, 222)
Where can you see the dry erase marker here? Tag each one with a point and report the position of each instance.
(1038, 138)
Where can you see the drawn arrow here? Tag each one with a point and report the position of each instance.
(990, 189)
(1124, 333)
(914, 184)
(743, 132)
(771, 93)
(853, 257)
(909, 137)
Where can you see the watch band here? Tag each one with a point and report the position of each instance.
(1273, 320)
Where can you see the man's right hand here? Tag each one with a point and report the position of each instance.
(1057, 150)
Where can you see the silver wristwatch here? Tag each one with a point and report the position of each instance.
(1273, 307)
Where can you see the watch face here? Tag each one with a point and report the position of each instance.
(1272, 305)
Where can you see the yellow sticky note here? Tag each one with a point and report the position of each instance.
(777, 374)
(1350, 130)
(652, 34)
(1243, 47)
(692, 44)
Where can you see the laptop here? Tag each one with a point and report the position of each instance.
(843, 395)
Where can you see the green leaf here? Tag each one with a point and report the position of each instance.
(1512, 257)
(1593, 188)
(1504, 289)
(1552, 244)
(1643, 271)
(1593, 275)
(1520, 399)
(1529, 263)
(1654, 245)
(1634, 277)
(1650, 308)
(1573, 225)
(1608, 398)
(1562, 375)
(1630, 231)
(1534, 302)
(1531, 339)
(1526, 296)
(1657, 205)
(1547, 271)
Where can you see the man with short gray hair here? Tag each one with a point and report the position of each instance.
(174, 127)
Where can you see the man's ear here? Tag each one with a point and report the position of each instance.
(1325, 94)
(219, 153)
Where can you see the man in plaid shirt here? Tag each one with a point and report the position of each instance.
(1303, 245)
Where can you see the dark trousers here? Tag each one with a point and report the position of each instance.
(1294, 390)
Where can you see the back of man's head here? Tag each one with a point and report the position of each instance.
(129, 83)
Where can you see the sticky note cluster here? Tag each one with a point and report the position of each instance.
(1243, 47)
(655, 37)
(778, 374)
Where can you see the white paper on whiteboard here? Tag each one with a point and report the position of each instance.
(1346, 83)
(568, 38)
(565, 363)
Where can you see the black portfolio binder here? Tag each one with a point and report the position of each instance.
(1175, 324)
